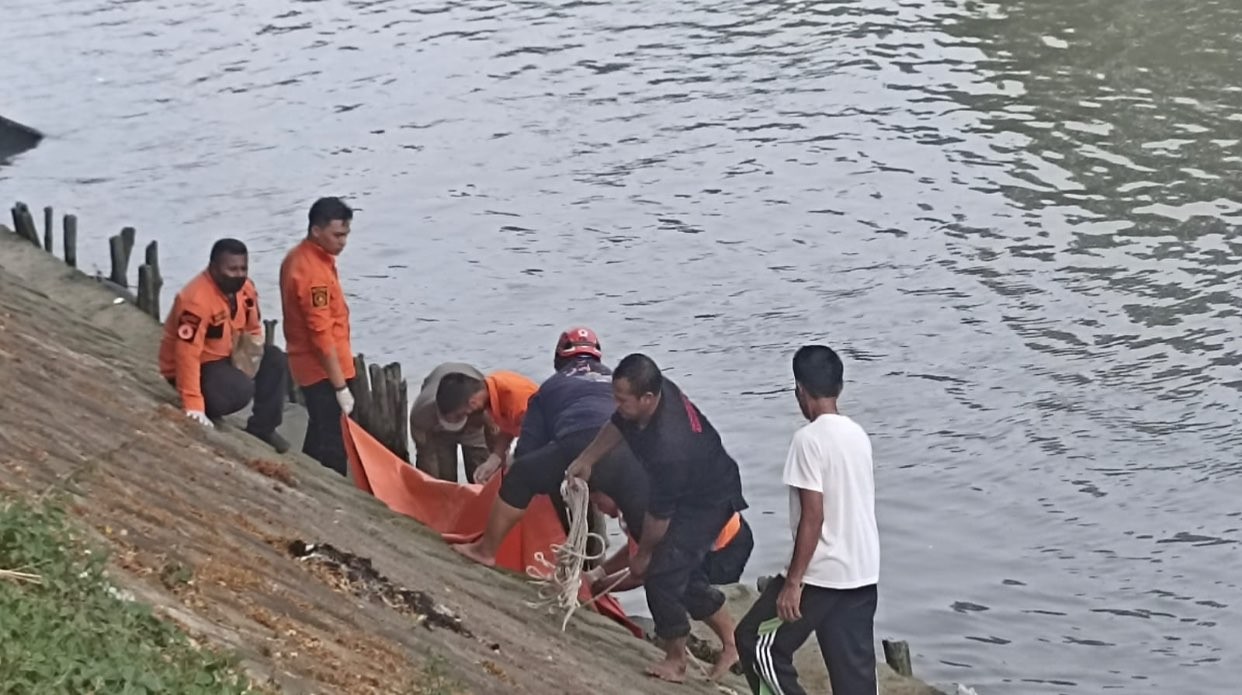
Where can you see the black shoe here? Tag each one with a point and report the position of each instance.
(277, 442)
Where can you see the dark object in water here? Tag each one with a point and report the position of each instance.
(16, 138)
(353, 574)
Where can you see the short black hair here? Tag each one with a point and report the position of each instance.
(232, 247)
(327, 210)
(818, 369)
(455, 391)
(642, 373)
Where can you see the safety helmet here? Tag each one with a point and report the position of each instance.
(578, 340)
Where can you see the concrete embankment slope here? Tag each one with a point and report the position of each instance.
(201, 523)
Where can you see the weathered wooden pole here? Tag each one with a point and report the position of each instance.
(146, 288)
(23, 224)
(71, 240)
(395, 412)
(128, 237)
(362, 394)
(379, 397)
(295, 392)
(403, 420)
(897, 655)
(152, 257)
(32, 232)
(120, 266)
(47, 229)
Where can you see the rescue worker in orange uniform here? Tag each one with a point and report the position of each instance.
(501, 396)
(209, 318)
(316, 321)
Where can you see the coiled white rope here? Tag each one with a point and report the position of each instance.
(560, 582)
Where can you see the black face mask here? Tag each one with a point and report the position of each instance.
(230, 285)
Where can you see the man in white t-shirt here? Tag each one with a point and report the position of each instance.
(830, 586)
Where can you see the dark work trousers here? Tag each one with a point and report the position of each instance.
(676, 582)
(540, 472)
(226, 390)
(324, 441)
(843, 622)
(725, 566)
(435, 452)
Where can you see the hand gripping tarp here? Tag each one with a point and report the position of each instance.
(458, 512)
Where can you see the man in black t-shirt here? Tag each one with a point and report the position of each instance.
(694, 491)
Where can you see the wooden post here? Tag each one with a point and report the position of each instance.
(269, 331)
(32, 232)
(23, 224)
(395, 412)
(128, 237)
(47, 229)
(403, 421)
(379, 397)
(152, 256)
(146, 288)
(71, 240)
(295, 392)
(362, 394)
(120, 266)
(897, 654)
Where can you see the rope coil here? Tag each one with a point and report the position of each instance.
(560, 582)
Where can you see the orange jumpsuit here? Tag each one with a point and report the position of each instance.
(316, 316)
(201, 328)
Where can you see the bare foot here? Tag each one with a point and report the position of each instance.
(728, 657)
(671, 671)
(472, 551)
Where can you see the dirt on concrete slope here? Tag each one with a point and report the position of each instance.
(220, 534)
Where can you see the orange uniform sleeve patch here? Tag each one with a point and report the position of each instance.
(187, 325)
(319, 296)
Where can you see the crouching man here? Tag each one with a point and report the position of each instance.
(212, 351)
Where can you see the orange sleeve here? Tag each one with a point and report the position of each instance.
(515, 392)
(312, 286)
(188, 354)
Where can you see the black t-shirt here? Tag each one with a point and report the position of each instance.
(685, 461)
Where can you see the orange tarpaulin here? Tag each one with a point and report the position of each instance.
(459, 511)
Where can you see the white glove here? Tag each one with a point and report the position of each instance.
(487, 469)
(200, 417)
(345, 399)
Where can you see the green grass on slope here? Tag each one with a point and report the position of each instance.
(71, 634)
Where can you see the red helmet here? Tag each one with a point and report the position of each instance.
(578, 340)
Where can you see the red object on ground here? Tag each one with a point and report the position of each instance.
(459, 511)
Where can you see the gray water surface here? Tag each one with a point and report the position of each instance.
(1017, 220)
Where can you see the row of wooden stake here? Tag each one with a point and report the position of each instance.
(120, 246)
(380, 393)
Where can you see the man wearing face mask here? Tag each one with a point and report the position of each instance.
(500, 397)
(213, 326)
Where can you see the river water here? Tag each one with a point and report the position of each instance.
(1016, 220)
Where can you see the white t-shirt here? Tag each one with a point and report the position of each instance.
(832, 455)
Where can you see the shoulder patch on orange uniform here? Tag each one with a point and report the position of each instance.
(319, 296)
(187, 325)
